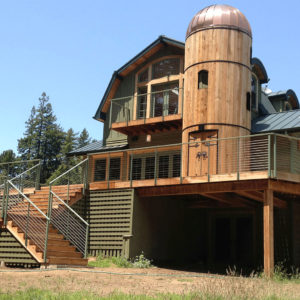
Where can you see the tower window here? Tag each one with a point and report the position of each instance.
(203, 79)
(248, 103)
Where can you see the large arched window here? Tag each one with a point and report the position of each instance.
(203, 79)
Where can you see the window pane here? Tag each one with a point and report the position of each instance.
(136, 168)
(100, 170)
(166, 68)
(203, 80)
(163, 170)
(176, 165)
(143, 76)
(115, 168)
(142, 104)
(173, 99)
(158, 101)
(149, 167)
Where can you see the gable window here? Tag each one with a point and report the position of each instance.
(254, 92)
(115, 168)
(100, 170)
(143, 77)
(203, 79)
(165, 68)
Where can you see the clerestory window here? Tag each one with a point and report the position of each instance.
(165, 68)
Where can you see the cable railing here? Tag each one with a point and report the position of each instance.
(10, 170)
(31, 220)
(161, 103)
(204, 159)
(69, 223)
(76, 175)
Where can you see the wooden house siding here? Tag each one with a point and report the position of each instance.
(127, 88)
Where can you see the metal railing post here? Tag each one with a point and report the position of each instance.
(3, 200)
(38, 176)
(108, 167)
(155, 167)
(131, 165)
(86, 241)
(238, 160)
(6, 203)
(181, 165)
(27, 222)
(208, 163)
(46, 240)
(68, 190)
(86, 174)
(275, 156)
(269, 155)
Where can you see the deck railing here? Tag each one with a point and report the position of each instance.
(238, 158)
(144, 106)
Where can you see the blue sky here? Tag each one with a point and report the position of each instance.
(69, 49)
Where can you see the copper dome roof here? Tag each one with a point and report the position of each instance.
(219, 15)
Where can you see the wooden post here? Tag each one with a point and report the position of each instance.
(268, 233)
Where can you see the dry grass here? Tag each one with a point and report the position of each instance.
(67, 285)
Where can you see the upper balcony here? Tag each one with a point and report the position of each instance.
(146, 113)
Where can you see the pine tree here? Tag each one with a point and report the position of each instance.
(84, 138)
(10, 170)
(43, 138)
(27, 144)
(70, 144)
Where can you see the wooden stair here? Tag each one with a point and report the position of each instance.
(59, 250)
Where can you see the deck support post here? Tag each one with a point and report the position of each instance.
(268, 233)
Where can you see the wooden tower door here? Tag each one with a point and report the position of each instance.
(202, 154)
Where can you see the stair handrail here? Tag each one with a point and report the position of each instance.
(76, 214)
(8, 182)
(23, 195)
(51, 182)
(69, 207)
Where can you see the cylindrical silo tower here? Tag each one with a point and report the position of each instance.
(217, 86)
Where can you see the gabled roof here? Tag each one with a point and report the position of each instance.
(276, 122)
(260, 70)
(118, 75)
(95, 147)
(285, 94)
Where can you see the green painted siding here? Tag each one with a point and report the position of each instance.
(13, 253)
(126, 88)
(109, 214)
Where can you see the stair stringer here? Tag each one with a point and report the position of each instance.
(20, 237)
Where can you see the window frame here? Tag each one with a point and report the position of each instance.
(200, 73)
(141, 73)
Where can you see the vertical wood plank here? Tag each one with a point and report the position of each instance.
(268, 233)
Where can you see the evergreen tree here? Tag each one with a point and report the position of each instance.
(70, 144)
(84, 138)
(43, 138)
(6, 169)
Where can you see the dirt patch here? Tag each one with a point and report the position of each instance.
(104, 284)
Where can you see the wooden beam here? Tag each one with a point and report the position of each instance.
(206, 187)
(165, 126)
(259, 196)
(234, 201)
(268, 233)
(158, 127)
(172, 124)
(284, 187)
(209, 204)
